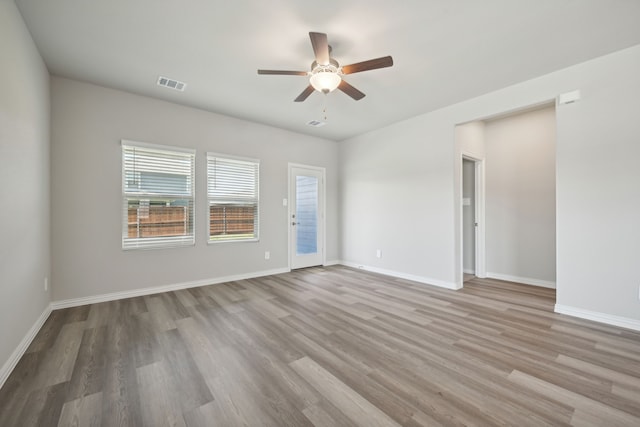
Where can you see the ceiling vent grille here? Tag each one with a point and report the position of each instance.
(316, 123)
(171, 84)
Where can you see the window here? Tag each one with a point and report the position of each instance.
(233, 187)
(157, 196)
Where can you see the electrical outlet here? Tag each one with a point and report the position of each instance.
(46, 284)
(378, 253)
(267, 255)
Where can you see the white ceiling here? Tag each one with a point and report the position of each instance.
(445, 51)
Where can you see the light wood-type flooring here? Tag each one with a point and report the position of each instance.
(327, 347)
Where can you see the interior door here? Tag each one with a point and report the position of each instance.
(306, 216)
(469, 223)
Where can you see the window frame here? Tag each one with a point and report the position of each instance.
(160, 242)
(240, 200)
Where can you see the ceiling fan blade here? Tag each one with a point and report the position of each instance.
(372, 64)
(305, 94)
(283, 73)
(351, 91)
(320, 47)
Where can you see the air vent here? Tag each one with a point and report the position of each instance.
(316, 123)
(171, 84)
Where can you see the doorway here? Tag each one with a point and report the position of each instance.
(472, 216)
(469, 223)
(514, 218)
(306, 216)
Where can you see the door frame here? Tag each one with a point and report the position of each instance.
(479, 206)
(323, 207)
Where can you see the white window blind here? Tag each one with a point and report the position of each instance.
(233, 193)
(157, 196)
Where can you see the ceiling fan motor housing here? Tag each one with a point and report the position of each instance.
(332, 61)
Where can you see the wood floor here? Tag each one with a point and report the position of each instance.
(326, 347)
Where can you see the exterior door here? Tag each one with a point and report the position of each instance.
(306, 216)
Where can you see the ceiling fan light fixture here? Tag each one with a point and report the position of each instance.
(325, 79)
(326, 73)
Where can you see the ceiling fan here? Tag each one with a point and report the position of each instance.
(326, 74)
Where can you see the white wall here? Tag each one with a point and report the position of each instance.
(88, 123)
(24, 182)
(520, 180)
(415, 165)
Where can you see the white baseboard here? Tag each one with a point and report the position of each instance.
(469, 271)
(609, 319)
(74, 302)
(332, 262)
(523, 280)
(400, 275)
(13, 360)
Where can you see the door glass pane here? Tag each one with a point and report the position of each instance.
(307, 214)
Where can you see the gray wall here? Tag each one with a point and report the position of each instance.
(520, 180)
(88, 123)
(416, 164)
(24, 181)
